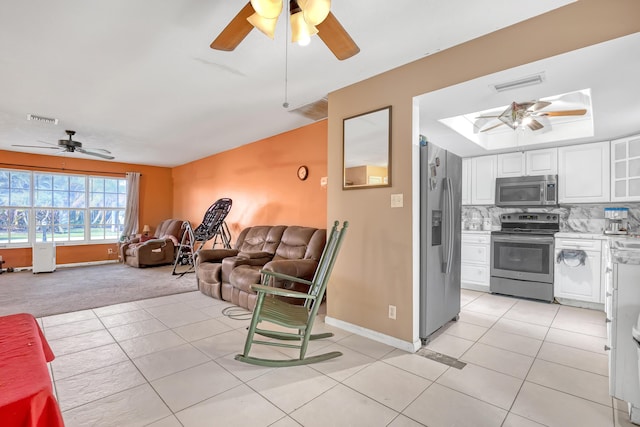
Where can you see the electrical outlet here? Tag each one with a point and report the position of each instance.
(110, 251)
(392, 312)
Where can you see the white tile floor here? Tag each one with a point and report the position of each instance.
(169, 362)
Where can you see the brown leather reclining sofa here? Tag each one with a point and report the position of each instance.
(158, 250)
(228, 274)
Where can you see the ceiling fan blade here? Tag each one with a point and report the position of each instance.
(235, 31)
(539, 105)
(34, 146)
(102, 150)
(492, 127)
(581, 112)
(92, 153)
(333, 34)
(535, 125)
(47, 142)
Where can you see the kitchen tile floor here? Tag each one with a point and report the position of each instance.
(169, 362)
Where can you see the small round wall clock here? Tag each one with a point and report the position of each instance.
(303, 173)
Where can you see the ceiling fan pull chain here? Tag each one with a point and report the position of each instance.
(285, 104)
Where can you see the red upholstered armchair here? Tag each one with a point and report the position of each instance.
(159, 250)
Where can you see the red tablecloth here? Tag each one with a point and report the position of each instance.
(26, 393)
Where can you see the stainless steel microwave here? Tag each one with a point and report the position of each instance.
(540, 190)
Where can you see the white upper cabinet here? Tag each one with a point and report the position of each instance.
(542, 162)
(466, 181)
(625, 169)
(510, 164)
(534, 162)
(583, 173)
(483, 180)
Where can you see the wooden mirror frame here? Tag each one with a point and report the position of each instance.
(366, 150)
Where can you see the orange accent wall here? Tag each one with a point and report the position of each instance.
(156, 200)
(261, 180)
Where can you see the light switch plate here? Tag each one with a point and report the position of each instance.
(397, 200)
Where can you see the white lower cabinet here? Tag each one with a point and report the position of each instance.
(475, 260)
(577, 272)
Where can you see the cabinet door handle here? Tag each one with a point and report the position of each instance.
(607, 320)
(608, 294)
(607, 270)
(607, 348)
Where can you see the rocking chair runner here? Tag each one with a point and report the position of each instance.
(298, 317)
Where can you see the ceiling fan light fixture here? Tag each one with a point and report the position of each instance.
(268, 9)
(315, 11)
(265, 25)
(301, 31)
(512, 115)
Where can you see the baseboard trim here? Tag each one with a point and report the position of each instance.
(411, 347)
(475, 287)
(74, 264)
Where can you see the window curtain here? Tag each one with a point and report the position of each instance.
(133, 205)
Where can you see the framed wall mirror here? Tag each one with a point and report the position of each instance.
(367, 150)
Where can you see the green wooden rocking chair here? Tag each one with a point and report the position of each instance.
(296, 317)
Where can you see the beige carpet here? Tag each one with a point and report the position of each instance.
(80, 288)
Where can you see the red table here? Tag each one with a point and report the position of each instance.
(26, 393)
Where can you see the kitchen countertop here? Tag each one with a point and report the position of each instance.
(575, 235)
(477, 231)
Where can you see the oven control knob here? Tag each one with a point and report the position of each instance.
(548, 216)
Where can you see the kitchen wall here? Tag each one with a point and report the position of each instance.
(379, 263)
(582, 218)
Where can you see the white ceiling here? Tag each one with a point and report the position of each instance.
(609, 70)
(138, 77)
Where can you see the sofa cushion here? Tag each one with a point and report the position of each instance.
(209, 272)
(242, 277)
(170, 229)
(301, 243)
(261, 238)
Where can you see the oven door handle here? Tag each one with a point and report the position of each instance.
(523, 239)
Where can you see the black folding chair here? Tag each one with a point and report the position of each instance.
(212, 227)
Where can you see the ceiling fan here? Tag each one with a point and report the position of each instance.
(525, 113)
(307, 17)
(70, 146)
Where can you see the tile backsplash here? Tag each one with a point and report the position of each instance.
(583, 218)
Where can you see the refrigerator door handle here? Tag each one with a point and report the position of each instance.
(449, 226)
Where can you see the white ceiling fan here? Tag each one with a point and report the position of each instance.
(525, 114)
(71, 146)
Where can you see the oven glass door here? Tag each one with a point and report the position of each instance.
(522, 257)
(529, 194)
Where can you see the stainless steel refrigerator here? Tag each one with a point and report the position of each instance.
(440, 223)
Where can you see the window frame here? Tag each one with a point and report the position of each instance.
(114, 210)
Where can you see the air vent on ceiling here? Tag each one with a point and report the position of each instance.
(515, 84)
(317, 110)
(42, 119)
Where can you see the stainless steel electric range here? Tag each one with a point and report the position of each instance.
(522, 255)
